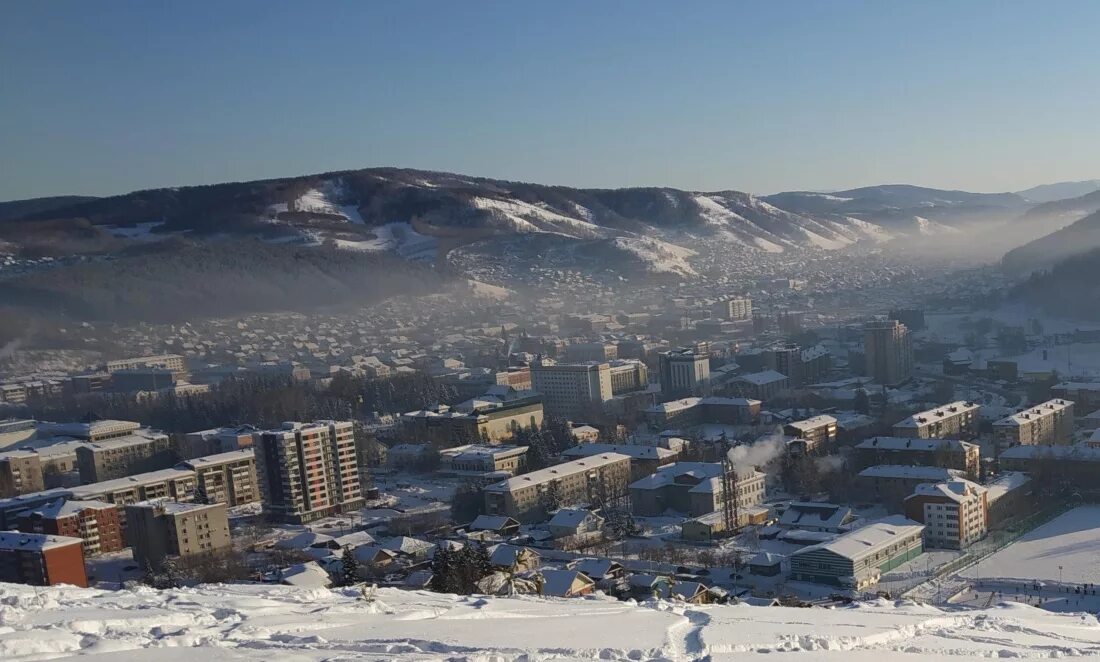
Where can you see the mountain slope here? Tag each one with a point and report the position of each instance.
(1060, 190)
(458, 208)
(19, 208)
(1074, 239)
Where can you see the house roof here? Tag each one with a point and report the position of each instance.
(303, 540)
(491, 522)
(815, 515)
(14, 540)
(504, 555)
(64, 508)
(306, 575)
(560, 582)
(595, 568)
(572, 517)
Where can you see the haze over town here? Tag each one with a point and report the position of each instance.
(633, 331)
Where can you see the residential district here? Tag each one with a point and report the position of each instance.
(710, 451)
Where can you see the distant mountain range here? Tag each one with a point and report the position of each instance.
(399, 210)
(424, 216)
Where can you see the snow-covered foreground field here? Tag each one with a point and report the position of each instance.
(277, 623)
(1068, 547)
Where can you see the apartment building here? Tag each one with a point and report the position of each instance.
(802, 366)
(628, 376)
(737, 308)
(1085, 395)
(573, 391)
(957, 420)
(165, 361)
(888, 351)
(96, 523)
(530, 497)
(684, 372)
(890, 484)
(946, 453)
(228, 478)
(161, 528)
(955, 513)
(858, 559)
(41, 560)
(644, 460)
(175, 483)
(116, 457)
(1046, 424)
(817, 431)
(20, 473)
(308, 470)
(693, 488)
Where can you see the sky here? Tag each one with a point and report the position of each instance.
(108, 97)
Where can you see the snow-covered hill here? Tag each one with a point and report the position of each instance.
(273, 624)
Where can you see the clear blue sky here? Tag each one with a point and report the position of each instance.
(107, 97)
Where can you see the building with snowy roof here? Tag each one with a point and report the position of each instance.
(949, 453)
(890, 484)
(957, 420)
(1046, 424)
(41, 559)
(694, 488)
(955, 513)
(857, 560)
(531, 496)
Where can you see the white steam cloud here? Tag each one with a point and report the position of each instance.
(758, 453)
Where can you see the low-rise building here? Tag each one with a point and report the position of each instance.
(715, 525)
(957, 420)
(955, 514)
(1084, 395)
(488, 417)
(1046, 424)
(532, 496)
(215, 441)
(820, 517)
(161, 528)
(857, 560)
(97, 523)
(482, 459)
(695, 410)
(41, 560)
(947, 453)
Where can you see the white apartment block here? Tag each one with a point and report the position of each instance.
(957, 420)
(1047, 424)
(955, 513)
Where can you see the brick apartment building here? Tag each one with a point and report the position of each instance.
(96, 523)
(41, 560)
